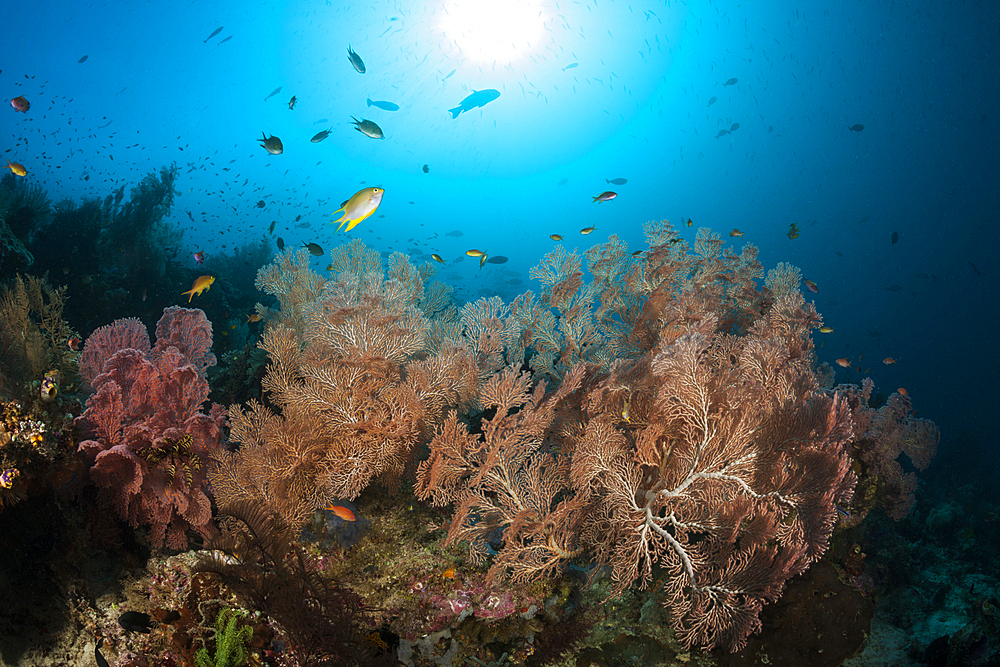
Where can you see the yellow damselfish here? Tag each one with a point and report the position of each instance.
(357, 208)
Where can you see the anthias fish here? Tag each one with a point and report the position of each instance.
(357, 208)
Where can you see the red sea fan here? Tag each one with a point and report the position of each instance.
(104, 342)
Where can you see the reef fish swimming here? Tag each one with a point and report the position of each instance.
(357, 208)
(478, 98)
(356, 60)
(368, 128)
(385, 106)
(271, 144)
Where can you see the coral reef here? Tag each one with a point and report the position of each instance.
(147, 439)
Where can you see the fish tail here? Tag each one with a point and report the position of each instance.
(454, 112)
(369, 100)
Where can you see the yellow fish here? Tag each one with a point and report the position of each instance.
(437, 258)
(357, 208)
(555, 237)
(17, 168)
(826, 329)
(587, 230)
(201, 284)
(475, 253)
(736, 233)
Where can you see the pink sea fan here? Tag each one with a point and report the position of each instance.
(104, 342)
(189, 331)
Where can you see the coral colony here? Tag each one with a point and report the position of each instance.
(645, 449)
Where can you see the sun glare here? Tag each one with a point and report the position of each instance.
(488, 30)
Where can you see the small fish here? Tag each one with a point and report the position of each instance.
(475, 253)
(617, 181)
(320, 136)
(888, 361)
(314, 248)
(437, 258)
(273, 92)
(98, 658)
(731, 82)
(17, 168)
(689, 223)
(20, 104)
(199, 257)
(563, 181)
(254, 317)
(555, 237)
(74, 344)
(895, 238)
(271, 144)
(570, 66)
(343, 512)
(478, 98)
(736, 233)
(83, 59)
(368, 128)
(225, 40)
(903, 392)
(846, 363)
(270, 230)
(362, 204)
(811, 286)
(427, 169)
(135, 621)
(722, 133)
(605, 196)
(356, 60)
(291, 103)
(280, 243)
(385, 106)
(261, 204)
(449, 75)
(842, 511)
(826, 330)
(50, 387)
(482, 260)
(856, 128)
(216, 32)
(793, 231)
(712, 101)
(734, 127)
(587, 230)
(497, 259)
(201, 284)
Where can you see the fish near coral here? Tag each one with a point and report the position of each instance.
(271, 144)
(357, 208)
(199, 257)
(201, 284)
(136, 621)
(50, 387)
(343, 512)
(20, 104)
(811, 286)
(17, 168)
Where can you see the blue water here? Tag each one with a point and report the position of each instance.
(921, 77)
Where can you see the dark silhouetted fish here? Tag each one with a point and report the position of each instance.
(280, 243)
(498, 259)
(731, 82)
(478, 98)
(136, 621)
(734, 127)
(320, 136)
(711, 101)
(456, 233)
(98, 658)
(895, 238)
(617, 181)
(856, 128)
(427, 169)
(356, 60)
(273, 92)
(564, 181)
(225, 40)
(387, 106)
(82, 60)
(722, 133)
(217, 31)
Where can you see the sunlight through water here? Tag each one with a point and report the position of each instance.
(493, 31)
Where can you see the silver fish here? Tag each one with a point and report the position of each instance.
(368, 128)
(356, 60)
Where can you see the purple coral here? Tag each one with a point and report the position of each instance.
(148, 439)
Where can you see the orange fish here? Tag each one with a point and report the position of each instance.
(254, 317)
(888, 361)
(17, 168)
(343, 512)
(903, 391)
(846, 363)
(449, 573)
(201, 284)
(736, 233)
(20, 104)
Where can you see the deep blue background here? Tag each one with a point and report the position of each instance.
(921, 77)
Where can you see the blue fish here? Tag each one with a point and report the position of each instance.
(388, 106)
(478, 98)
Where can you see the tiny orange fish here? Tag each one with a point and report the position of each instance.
(343, 512)
(903, 391)
(17, 168)
(254, 317)
(449, 573)
(201, 284)
(846, 363)
(888, 361)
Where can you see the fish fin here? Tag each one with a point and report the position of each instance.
(454, 112)
(345, 221)
(369, 100)
(354, 223)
